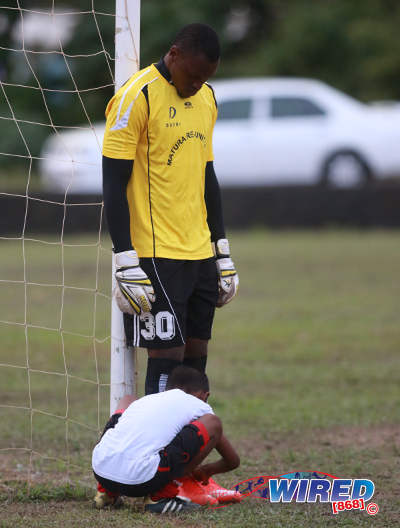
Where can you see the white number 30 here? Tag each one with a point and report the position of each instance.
(162, 325)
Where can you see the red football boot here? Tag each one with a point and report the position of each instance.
(221, 494)
(192, 489)
(169, 491)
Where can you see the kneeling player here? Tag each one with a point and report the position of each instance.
(160, 438)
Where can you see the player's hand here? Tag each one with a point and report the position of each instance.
(228, 279)
(134, 292)
(201, 475)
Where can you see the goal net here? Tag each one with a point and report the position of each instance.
(56, 74)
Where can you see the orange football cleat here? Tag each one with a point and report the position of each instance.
(169, 491)
(221, 494)
(192, 489)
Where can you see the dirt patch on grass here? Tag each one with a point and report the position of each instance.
(372, 450)
(371, 437)
(375, 436)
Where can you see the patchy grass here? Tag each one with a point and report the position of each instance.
(303, 366)
(17, 491)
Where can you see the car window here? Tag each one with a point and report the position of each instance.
(294, 107)
(235, 109)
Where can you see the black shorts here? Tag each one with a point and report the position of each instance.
(173, 460)
(186, 296)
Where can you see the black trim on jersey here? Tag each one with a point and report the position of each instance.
(212, 197)
(146, 95)
(162, 68)
(145, 91)
(212, 89)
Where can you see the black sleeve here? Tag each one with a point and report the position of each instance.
(212, 195)
(116, 175)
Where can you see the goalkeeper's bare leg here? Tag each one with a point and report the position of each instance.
(161, 362)
(196, 353)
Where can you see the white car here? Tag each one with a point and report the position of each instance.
(270, 131)
(301, 131)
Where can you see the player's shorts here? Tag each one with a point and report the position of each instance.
(186, 296)
(173, 459)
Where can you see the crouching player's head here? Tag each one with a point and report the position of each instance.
(189, 380)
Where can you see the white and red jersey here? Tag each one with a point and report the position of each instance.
(129, 452)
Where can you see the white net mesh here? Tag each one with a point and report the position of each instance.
(56, 74)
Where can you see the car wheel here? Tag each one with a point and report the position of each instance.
(345, 169)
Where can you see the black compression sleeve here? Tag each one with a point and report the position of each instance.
(212, 195)
(116, 175)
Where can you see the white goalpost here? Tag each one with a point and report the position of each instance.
(123, 358)
(58, 321)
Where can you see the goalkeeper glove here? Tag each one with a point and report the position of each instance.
(134, 292)
(228, 279)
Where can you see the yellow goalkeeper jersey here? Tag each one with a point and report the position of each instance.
(170, 139)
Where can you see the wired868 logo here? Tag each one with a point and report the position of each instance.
(306, 487)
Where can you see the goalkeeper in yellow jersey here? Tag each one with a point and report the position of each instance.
(163, 206)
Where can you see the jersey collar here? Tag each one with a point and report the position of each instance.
(162, 68)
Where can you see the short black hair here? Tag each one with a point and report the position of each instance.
(199, 38)
(188, 379)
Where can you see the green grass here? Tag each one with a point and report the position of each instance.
(304, 371)
(16, 178)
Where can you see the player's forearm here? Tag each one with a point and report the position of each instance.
(212, 196)
(116, 174)
(229, 459)
(220, 466)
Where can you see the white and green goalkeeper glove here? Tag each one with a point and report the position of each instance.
(134, 292)
(228, 279)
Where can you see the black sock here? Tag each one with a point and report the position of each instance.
(158, 370)
(198, 363)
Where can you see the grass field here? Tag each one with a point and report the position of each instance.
(304, 368)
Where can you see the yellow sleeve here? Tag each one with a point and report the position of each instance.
(126, 120)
